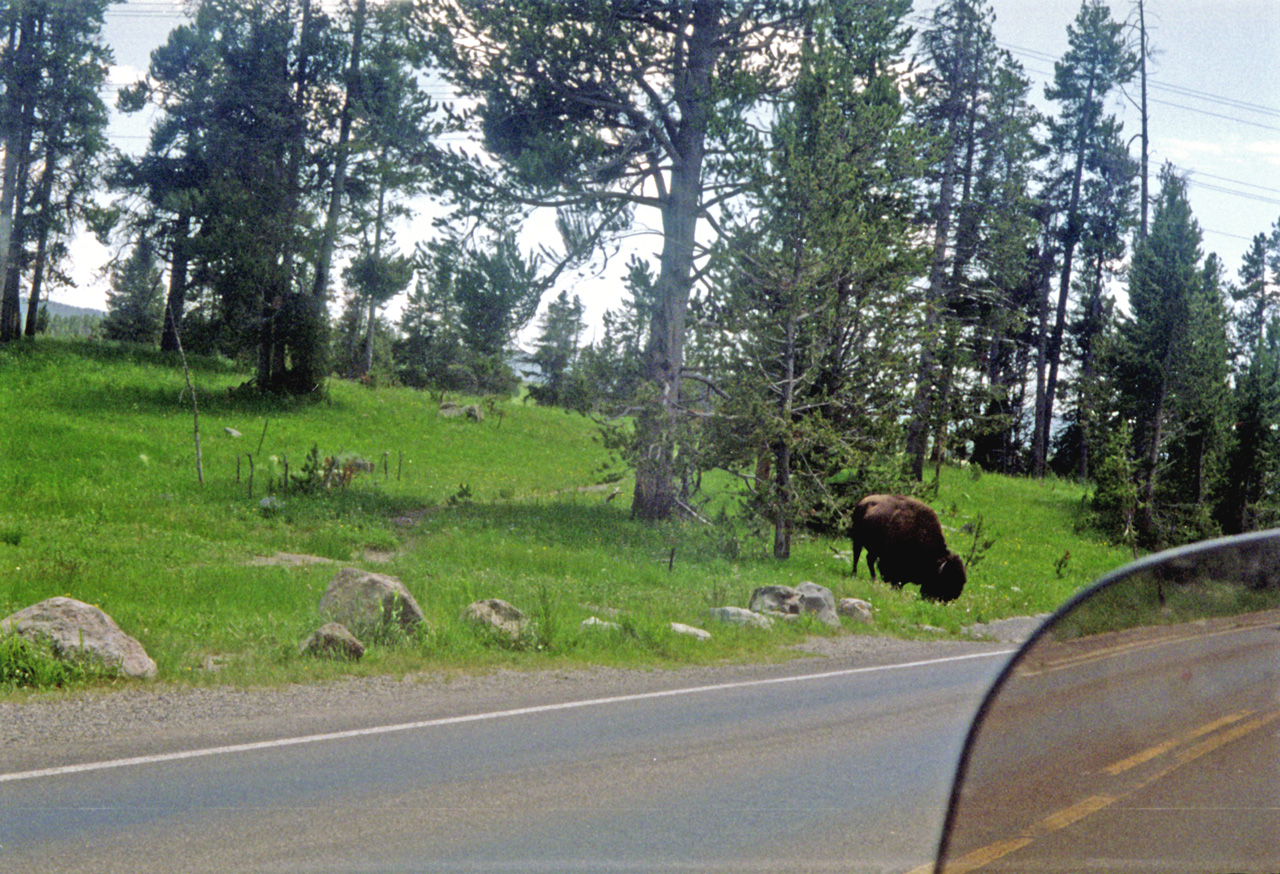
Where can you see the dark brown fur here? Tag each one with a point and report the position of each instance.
(902, 536)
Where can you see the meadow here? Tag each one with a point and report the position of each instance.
(100, 501)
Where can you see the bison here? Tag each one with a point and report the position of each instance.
(903, 536)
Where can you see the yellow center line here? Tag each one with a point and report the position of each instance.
(1173, 743)
(1213, 743)
(1072, 661)
(1067, 816)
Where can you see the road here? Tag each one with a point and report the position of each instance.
(1150, 750)
(797, 767)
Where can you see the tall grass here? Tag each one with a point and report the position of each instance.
(99, 501)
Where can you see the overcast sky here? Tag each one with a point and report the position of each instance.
(1214, 101)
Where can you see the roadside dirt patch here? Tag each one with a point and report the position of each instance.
(288, 559)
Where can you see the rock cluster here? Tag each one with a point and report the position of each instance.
(371, 605)
(788, 603)
(359, 606)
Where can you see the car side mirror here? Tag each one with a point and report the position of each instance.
(1137, 730)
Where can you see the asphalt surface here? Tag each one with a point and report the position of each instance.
(833, 764)
(1148, 750)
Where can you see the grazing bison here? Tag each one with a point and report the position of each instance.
(903, 537)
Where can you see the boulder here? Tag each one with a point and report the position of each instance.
(856, 609)
(370, 604)
(805, 598)
(775, 599)
(332, 640)
(740, 616)
(450, 410)
(74, 628)
(819, 601)
(496, 615)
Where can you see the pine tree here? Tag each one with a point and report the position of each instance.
(135, 301)
(1172, 367)
(818, 278)
(610, 106)
(559, 339)
(1098, 60)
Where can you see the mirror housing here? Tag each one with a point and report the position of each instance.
(1138, 729)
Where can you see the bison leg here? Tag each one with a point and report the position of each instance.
(857, 554)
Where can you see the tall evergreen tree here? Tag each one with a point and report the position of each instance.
(53, 65)
(279, 122)
(1098, 60)
(1254, 460)
(1172, 366)
(819, 275)
(975, 106)
(1107, 215)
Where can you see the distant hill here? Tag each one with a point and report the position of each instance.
(62, 309)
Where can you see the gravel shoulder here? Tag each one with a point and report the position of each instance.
(150, 719)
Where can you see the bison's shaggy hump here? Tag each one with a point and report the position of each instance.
(902, 536)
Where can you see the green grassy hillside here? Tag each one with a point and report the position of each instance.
(99, 500)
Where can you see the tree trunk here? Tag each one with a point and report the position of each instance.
(1070, 239)
(328, 239)
(783, 499)
(41, 217)
(922, 400)
(1146, 519)
(176, 301)
(16, 137)
(1146, 142)
(654, 496)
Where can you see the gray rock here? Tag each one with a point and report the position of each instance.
(450, 410)
(690, 631)
(496, 615)
(595, 623)
(740, 616)
(775, 599)
(332, 640)
(73, 628)
(856, 609)
(819, 601)
(805, 598)
(370, 604)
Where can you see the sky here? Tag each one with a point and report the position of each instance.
(1214, 102)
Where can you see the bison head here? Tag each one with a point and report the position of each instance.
(948, 582)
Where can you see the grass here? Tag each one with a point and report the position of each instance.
(99, 501)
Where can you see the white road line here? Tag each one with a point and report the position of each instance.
(475, 717)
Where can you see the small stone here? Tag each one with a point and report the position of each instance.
(496, 615)
(690, 631)
(595, 623)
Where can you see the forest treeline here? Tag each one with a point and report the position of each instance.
(871, 253)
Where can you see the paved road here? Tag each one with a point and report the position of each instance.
(1154, 749)
(792, 769)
